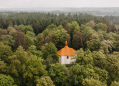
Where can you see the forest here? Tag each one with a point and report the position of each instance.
(29, 42)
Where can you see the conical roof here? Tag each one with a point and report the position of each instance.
(66, 50)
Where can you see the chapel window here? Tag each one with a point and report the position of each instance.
(67, 57)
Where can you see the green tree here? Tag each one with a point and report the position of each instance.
(2, 67)
(31, 34)
(50, 49)
(51, 26)
(77, 75)
(94, 42)
(99, 59)
(78, 40)
(57, 73)
(6, 80)
(91, 24)
(88, 32)
(11, 31)
(8, 40)
(26, 28)
(84, 58)
(25, 68)
(103, 35)
(44, 81)
(29, 41)
(101, 26)
(102, 73)
(74, 27)
(57, 35)
(34, 51)
(5, 51)
(46, 32)
(49, 37)
(39, 40)
(92, 82)
(112, 67)
(59, 38)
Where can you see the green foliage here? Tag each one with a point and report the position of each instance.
(78, 40)
(91, 24)
(44, 81)
(88, 31)
(105, 66)
(31, 34)
(113, 67)
(3, 32)
(92, 82)
(86, 76)
(46, 32)
(39, 40)
(101, 26)
(6, 80)
(34, 51)
(50, 49)
(103, 35)
(78, 73)
(11, 31)
(57, 73)
(99, 59)
(88, 37)
(74, 27)
(84, 58)
(8, 40)
(102, 73)
(25, 28)
(59, 37)
(94, 42)
(5, 51)
(28, 66)
(51, 26)
(29, 41)
(2, 67)
(114, 83)
(96, 62)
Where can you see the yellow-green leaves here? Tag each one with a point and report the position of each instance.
(6, 80)
(58, 72)
(44, 81)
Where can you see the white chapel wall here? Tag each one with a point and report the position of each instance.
(65, 60)
(68, 59)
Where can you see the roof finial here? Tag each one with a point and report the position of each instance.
(66, 43)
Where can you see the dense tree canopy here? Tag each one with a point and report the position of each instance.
(57, 73)
(29, 43)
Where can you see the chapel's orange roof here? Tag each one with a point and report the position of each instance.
(66, 50)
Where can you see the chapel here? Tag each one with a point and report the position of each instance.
(66, 55)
